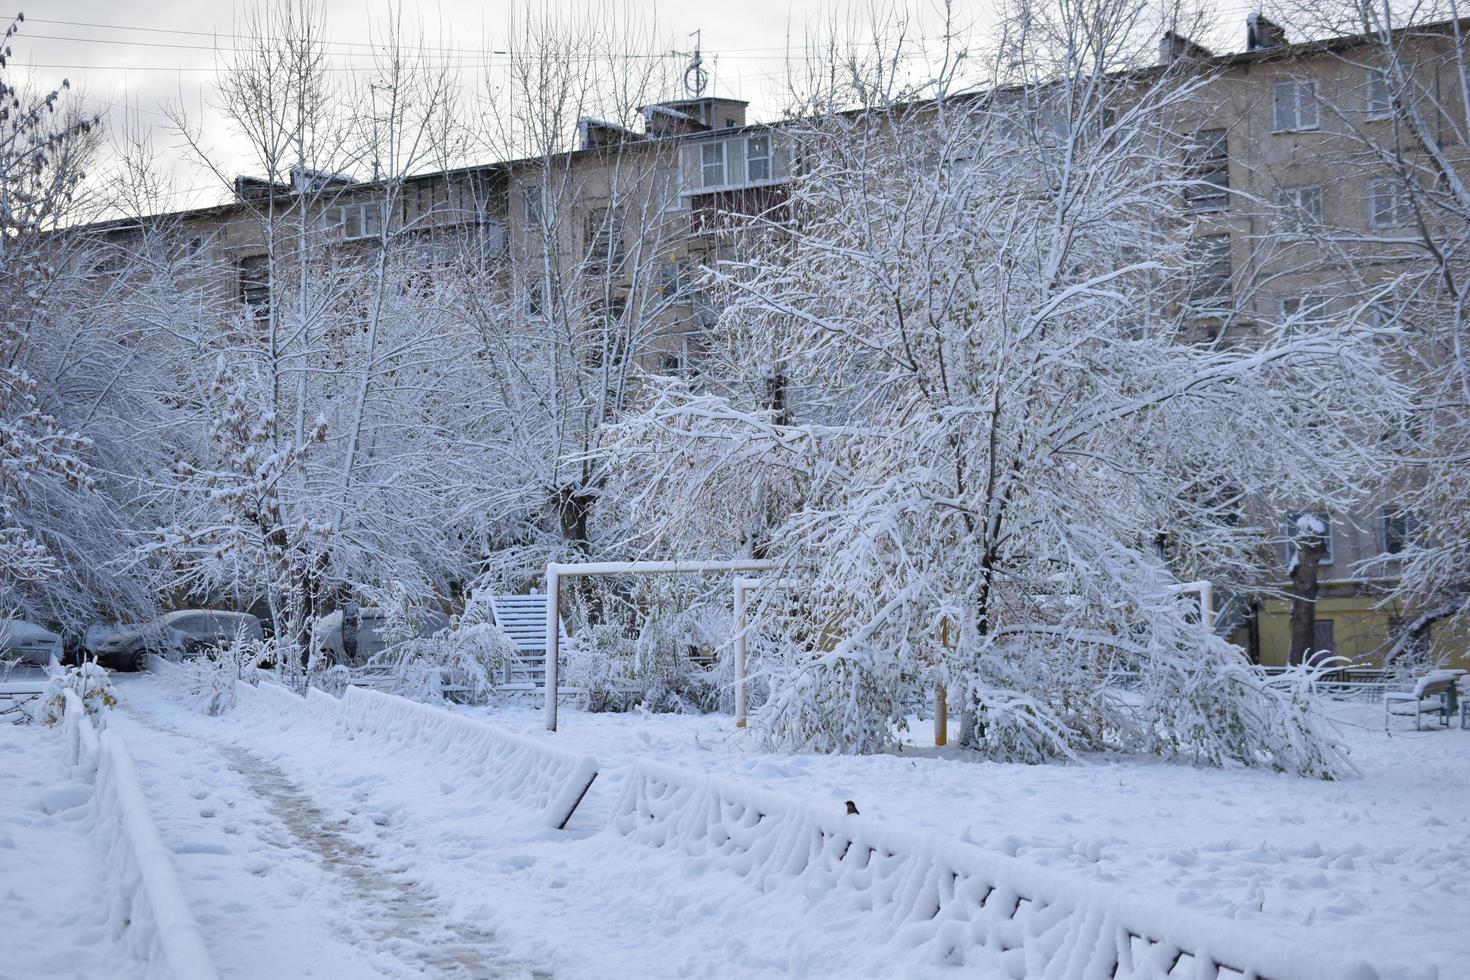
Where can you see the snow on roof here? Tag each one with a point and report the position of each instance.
(663, 110)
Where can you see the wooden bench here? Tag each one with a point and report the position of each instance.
(1437, 688)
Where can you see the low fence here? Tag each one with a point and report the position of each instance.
(547, 781)
(958, 904)
(147, 911)
(519, 769)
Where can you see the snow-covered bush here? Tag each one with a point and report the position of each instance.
(600, 664)
(667, 677)
(207, 680)
(469, 660)
(656, 669)
(89, 682)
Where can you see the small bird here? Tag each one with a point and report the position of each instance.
(852, 807)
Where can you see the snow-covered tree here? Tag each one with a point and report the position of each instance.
(1005, 434)
(59, 538)
(588, 307)
(343, 342)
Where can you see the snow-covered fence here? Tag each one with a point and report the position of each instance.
(282, 701)
(147, 911)
(518, 769)
(82, 745)
(960, 904)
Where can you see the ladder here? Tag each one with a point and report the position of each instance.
(523, 619)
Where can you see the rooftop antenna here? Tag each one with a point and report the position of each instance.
(695, 77)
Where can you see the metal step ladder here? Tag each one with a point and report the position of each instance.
(523, 619)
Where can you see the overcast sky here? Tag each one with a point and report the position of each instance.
(140, 55)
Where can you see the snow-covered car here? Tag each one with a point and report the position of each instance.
(180, 633)
(28, 643)
(371, 631)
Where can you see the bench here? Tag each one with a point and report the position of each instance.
(1433, 694)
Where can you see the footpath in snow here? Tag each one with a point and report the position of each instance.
(279, 886)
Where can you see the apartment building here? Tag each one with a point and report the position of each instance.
(608, 237)
(1284, 138)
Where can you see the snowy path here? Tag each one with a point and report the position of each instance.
(51, 923)
(582, 903)
(279, 887)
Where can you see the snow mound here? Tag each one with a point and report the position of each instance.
(959, 905)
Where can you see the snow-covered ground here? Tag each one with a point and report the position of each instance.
(306, 854)
(1376, 866)
(51, 923)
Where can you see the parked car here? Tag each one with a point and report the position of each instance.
(184, 632)
(359, 638)
(29, 643)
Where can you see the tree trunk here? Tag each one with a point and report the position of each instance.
(1310, 547)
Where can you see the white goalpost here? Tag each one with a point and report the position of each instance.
(1205, 589)
(556, 571)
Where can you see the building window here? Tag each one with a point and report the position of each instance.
(1389, 203)
(1207, 166)
(712, 164)
(1295, 528)
(1378, 93)
(1209, 268)
(533, 206)
(357, 221)
(1398, 528)
(1307, 306)
(1324, 642)
(255, 286)
(536, 300)
(1300, 208)
(1294, 106)
(670, 363)
(605, 237)
(758, 158)
(673, 275)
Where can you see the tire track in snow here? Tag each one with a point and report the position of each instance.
(399, 919)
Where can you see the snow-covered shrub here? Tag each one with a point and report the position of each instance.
(600, 664)
(1229, 711)
(467, 659)
(657, 669)
(207, 680)
(664, 670)
(89, 682)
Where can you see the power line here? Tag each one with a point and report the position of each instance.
(371, 46)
